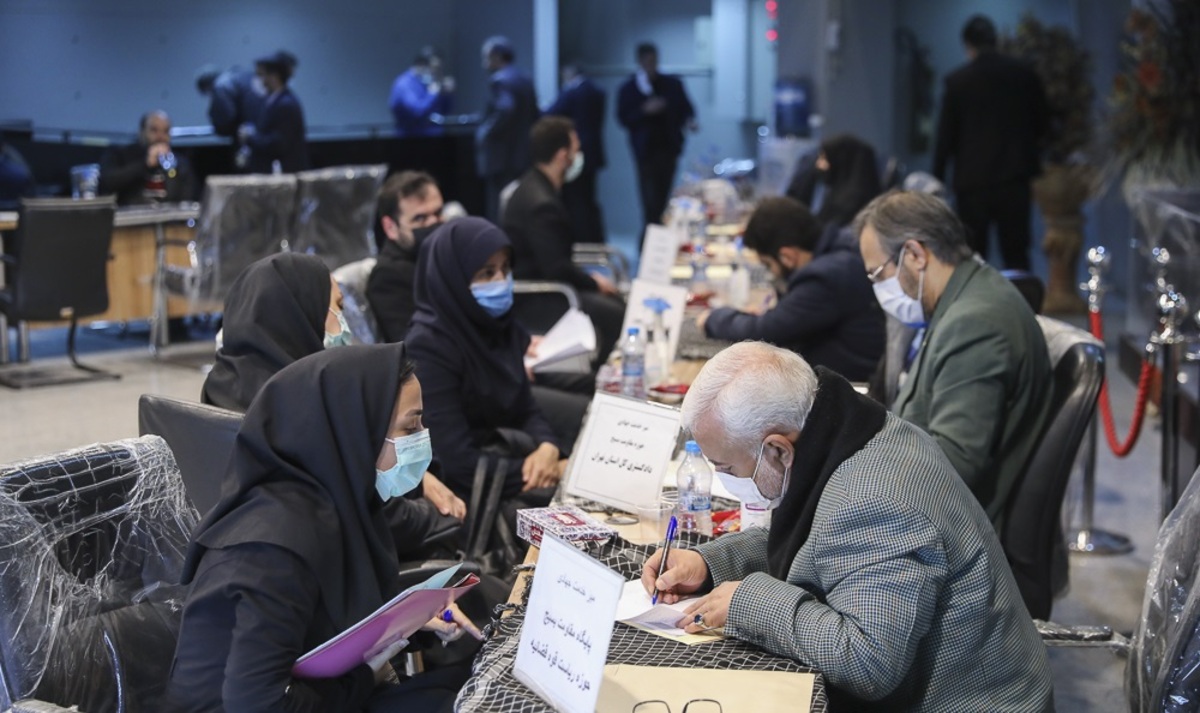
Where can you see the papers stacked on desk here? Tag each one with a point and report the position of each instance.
(635, 609)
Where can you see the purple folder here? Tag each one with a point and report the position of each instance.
(400, 618)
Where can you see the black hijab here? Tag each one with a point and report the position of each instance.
(302, 476)
(851, 181)
(274, 314)
(492, 349)
(838, 426)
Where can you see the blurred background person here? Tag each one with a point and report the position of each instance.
(419, 93)
(842, 181)
(147, 171)
(16, 178)
(234, 97)
(502, 137)
(583, 103)
(277, 138)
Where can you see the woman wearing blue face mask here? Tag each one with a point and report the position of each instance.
(470, 357)
(299, 548)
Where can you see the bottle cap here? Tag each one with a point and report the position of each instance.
(692, 447)
(632, 331)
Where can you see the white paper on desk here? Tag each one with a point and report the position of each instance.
(571, 336)
(635, 608)
(637, 314)
(567, 629)
(622, 451)
(660, 247)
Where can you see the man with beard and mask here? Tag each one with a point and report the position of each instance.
(147, 171)
(420, 93)
(536, 220)
(828, 314)
(978, 379)
(879, 568)
(409, 207)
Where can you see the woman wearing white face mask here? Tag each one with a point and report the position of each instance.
(299, 549)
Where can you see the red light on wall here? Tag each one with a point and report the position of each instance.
(772, 7)
(772, 35)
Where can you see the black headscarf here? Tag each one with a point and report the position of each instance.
(492, 349)
(274, 314)
(851, 181)
(838, 426)
(302, 476)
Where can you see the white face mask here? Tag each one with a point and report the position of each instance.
(895, 302)
(746, 490)
(575, 168)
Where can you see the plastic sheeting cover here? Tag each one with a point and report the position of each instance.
(335, 212)
(1164, 670)
(91, 546)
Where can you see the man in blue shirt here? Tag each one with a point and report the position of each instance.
(420, 93)
(502, 138)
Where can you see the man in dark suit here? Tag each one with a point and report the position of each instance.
(993, 118)
(409, 206)
(234, 98)
(582, 102)
(147, 171)
(654, 108)
(537, 222)
(279, 134)
(502, 139)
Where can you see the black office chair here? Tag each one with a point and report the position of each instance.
(1032, 536)
(538, 305)
(1029, 285)
(56, 267)
(605, 257)
(92, 543)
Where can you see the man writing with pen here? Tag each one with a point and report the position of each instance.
(828, 313)
(880, 569)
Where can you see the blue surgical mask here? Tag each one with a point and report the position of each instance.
(897, 303)
(495, 297)
(342, 338)
(414, 453)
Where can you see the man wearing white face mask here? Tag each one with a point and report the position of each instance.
(880, 569)
(978, 378)
(536, 220)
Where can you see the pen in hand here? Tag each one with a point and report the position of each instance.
(662, 566)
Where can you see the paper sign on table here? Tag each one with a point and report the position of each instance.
(660, 247)
(568, 626)
(637, 314)
(623, 451)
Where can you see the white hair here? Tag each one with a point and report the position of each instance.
(752, 389)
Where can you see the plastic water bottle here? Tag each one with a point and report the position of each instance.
(694, 480)
(755, 517)
(739, 279)
(633, 365)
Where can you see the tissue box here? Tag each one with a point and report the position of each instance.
(565, 522)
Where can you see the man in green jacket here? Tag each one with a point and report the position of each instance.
(978, 377)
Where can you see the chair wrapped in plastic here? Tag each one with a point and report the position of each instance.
(352, 279)
(92, 542)
(1164, 666)
(335, 212)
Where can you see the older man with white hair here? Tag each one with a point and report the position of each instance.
(880, 568)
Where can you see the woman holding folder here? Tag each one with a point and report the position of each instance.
(298, 549)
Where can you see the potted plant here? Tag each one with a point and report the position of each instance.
(1067, 177)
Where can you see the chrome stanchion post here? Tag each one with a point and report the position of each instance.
(1172, 310)
(1087, 539)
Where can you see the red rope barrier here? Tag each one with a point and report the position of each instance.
(1139, 409)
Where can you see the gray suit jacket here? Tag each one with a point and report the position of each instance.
(981, 384)
(901, 596)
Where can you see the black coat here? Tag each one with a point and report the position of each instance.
(234, 101)
(502, 138)
(279, 135)
(539, 226)
(993, 119)
(123, 171)
(652, 133)
(583, 103)
(829, 314)
(390, 290)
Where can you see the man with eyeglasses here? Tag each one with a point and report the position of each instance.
(409, 207)
(978, 376)
(879, 568)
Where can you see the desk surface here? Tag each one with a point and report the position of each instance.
(492, 687)
(129, 216)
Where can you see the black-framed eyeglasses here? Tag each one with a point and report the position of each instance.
(696, 705)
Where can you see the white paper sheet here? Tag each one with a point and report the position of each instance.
(572, 335)
(660, 247)
(635, 608)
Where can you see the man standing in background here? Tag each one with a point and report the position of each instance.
(583, 102)
(234, 97)
(419, 93)
(502, 139)
(654, 108)
(993, 119)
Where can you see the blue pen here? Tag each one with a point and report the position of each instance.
(662, 566)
